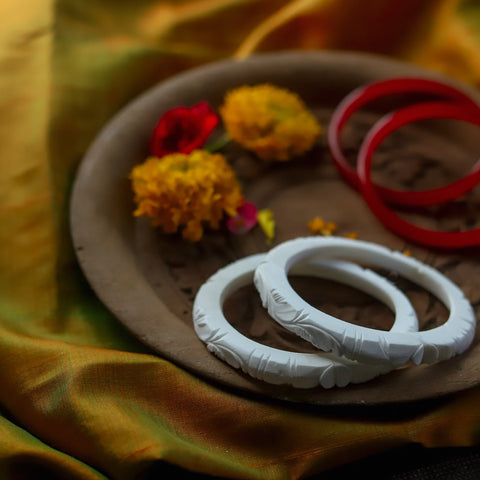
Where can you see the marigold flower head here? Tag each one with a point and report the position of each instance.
(181, 190)
(270, 121)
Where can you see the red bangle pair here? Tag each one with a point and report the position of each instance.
(458, 107)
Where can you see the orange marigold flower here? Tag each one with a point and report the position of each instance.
(320, 226)
(270, 121)
(186, 190)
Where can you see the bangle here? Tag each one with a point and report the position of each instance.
(357, 342)
(394, 222)
(272, 365)
(363, 95)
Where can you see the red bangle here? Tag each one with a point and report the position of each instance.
(395, 223)
(363, 95)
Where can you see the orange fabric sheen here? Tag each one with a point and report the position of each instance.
(79, 397)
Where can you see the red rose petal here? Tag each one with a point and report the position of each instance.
(183, 129)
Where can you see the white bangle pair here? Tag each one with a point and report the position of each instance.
(358, 353)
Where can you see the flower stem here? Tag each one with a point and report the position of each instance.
(218, 144)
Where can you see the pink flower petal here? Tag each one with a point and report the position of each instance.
(244, 220)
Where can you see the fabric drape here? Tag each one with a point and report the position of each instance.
(80, 398)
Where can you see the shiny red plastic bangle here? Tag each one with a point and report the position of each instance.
(392, 221)
(363, 95)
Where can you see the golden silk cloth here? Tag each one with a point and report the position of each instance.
(79, 397)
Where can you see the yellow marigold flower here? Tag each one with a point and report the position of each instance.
(319, 226)
(186, 191)
(270, 121)
(352, 235)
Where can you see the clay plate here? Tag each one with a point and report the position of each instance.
(149, 280)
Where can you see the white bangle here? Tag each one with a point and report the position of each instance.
(356, 342)
(272, 365)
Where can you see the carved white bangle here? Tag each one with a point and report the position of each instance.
(272, 365)
(357, 342)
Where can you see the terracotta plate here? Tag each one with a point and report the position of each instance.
(149, 279)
